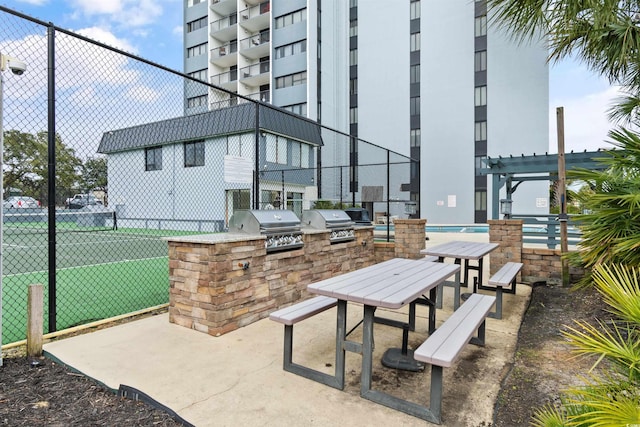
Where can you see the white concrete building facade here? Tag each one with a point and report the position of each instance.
(427, 79)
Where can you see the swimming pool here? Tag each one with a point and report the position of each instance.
(476, 228)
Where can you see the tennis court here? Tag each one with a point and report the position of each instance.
(101, 271)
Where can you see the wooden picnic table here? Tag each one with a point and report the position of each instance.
(462, 250)
(391, 284)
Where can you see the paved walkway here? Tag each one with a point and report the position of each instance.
(237, 379)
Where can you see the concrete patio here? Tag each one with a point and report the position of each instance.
(237, 378)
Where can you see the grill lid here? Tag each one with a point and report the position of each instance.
(326, 219)
(264, 221)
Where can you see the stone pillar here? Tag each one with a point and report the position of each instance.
(409, 237)
(508, 233)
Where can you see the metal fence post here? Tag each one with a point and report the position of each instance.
(51, 190)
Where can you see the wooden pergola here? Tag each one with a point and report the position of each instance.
(511, 171)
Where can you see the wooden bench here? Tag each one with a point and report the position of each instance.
(293, 314)
(443, 347)
(504, 280)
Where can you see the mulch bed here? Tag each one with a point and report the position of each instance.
(43, 393)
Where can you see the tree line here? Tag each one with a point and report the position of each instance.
(26, 168)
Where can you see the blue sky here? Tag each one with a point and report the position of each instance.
(152, 29)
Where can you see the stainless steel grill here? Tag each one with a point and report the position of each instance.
(337, 221)
(282, 227)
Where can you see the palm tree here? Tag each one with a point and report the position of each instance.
(605, 35)
(613, 397)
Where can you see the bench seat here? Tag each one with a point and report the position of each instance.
(442, 348)
(503, 281)
(293, 314)
(303, 310)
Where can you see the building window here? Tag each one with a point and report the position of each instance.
(481, 131)
(197, 24)
(414, 138)
(414, 74)
(194, 2)
(276, 149)
(353, 57)
(353, 28)
(290, 49)
(414, 105)
(300, 154)
(291, 80)
(353, 115)
(291, 18)
(200, 75)
(414, 9)
(198, 50)
(481, 26)
(481, 60)
(193, 154)
(481, 201)
(153, 159)
(300, 109)
(237, 199)
(353, 86)
(414, 42)
(197, 101)
(481, 96)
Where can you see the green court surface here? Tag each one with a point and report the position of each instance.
(98, 275)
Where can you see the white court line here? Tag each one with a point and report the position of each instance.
(93, 242)
(88, 265)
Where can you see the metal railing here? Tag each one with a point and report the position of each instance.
(545, 230)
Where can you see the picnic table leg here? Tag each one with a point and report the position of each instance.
(341, 336)
(432, 309)
(367, 349)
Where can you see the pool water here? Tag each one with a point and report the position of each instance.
(461, 229)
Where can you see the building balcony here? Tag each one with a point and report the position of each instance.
(256, 74)
(255, 18)
(264, 96)
(225, 55)
(223, 7)
(226, 80)
(225, 29)
(256, 46)
(231, 101)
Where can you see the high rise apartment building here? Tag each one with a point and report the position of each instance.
(425, 78)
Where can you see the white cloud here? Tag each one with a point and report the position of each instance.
(178, 30)
(143, 93)
(586, 98)
(105, 36)
(128, 13)
(586, 121)
(34, 2)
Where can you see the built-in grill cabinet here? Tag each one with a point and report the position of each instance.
(281, 227)
(337, 221)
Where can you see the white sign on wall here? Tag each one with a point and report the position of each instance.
(238, 170)
(541, 202)
(451, 201)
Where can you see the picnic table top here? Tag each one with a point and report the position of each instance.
(460, 249)
(389, 284)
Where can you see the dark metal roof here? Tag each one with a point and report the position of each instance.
(225, 121)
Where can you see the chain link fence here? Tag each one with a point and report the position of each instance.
(98, 139)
